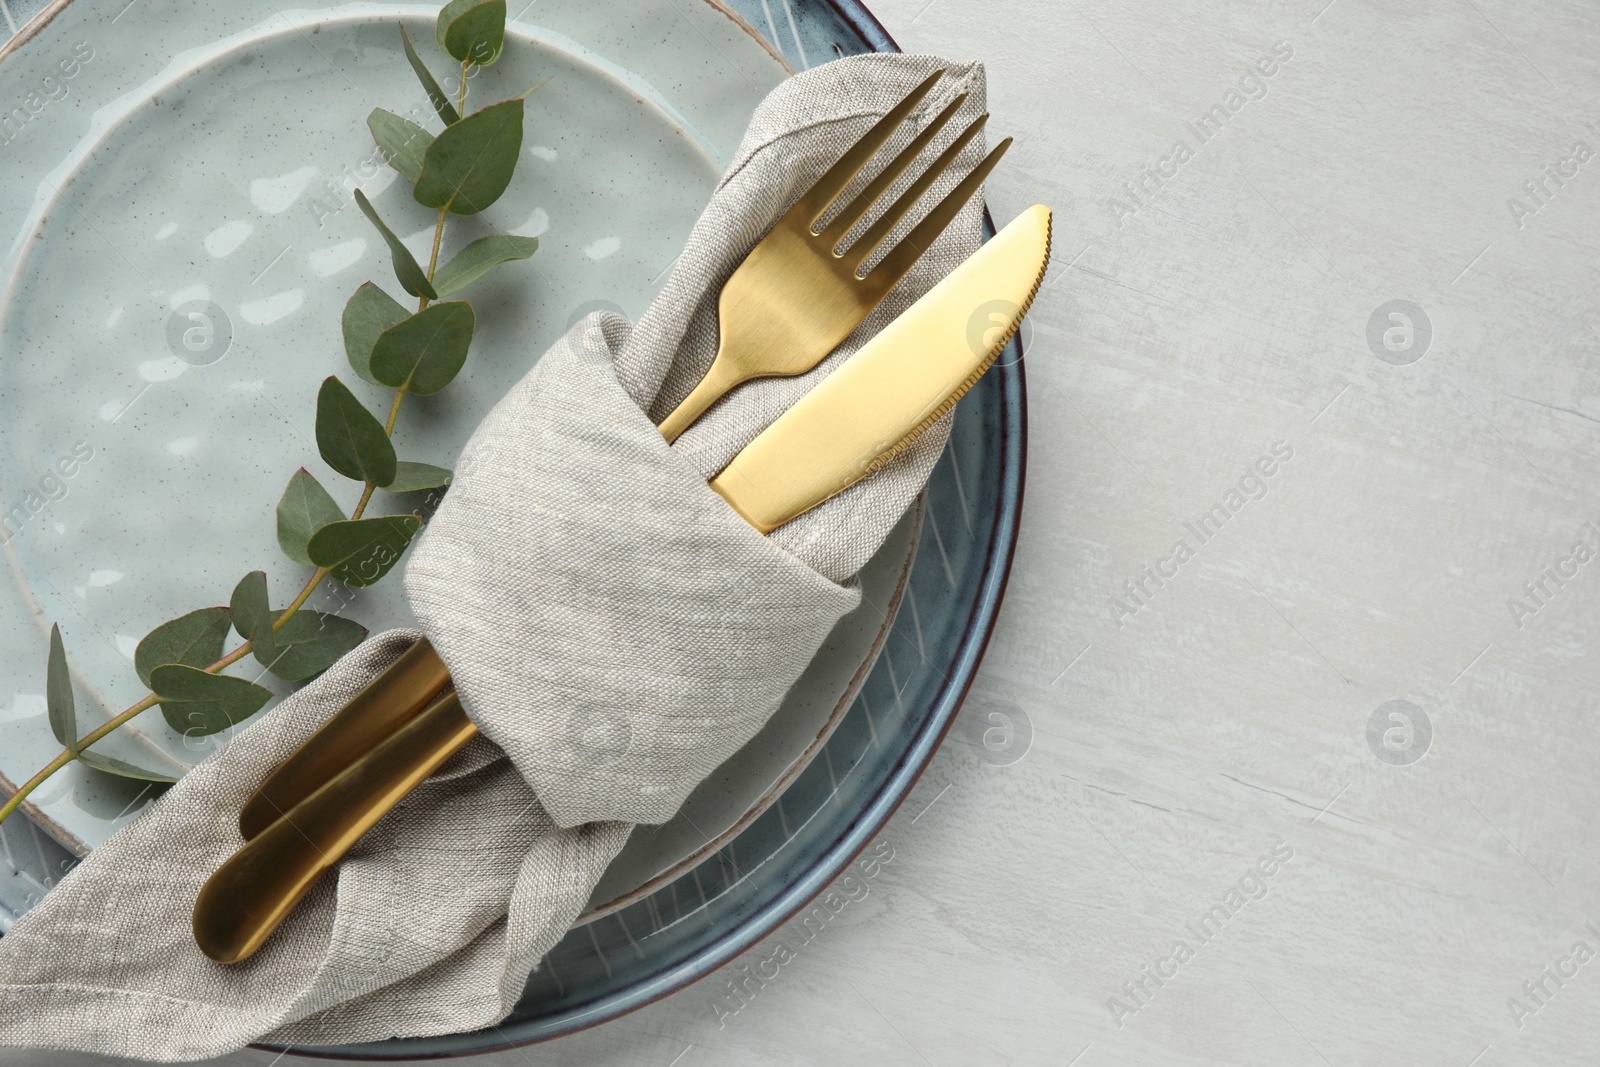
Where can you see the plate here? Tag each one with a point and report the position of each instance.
(184, 249)
(706, 66)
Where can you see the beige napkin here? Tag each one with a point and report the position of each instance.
(612, 626)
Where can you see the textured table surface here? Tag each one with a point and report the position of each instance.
(1298, 650)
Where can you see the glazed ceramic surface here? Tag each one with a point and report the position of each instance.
(185, 170)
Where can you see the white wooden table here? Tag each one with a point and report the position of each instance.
(1368, 264)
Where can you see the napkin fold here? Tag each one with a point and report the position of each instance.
(613, 628)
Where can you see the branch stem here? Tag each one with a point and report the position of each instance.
(35, 782)
(433, 260)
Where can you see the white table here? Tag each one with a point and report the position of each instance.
(1183, 336)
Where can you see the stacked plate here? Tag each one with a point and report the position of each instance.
(199, 159)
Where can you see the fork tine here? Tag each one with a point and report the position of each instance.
(873, 237)
(858, 207)
(901, 258)
(817, 199)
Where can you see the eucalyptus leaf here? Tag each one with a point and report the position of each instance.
(194, 640)
(121, 768)
(472, 30)
(469, 165)
(350, 438)
(441, 103)
(252, 617)
(368, 313)
(64, 719)
(361, 551)
(304, 508)
(424, 353)
(195, 703)
(475, 260)
(410, 275)
(59, 702)
(451, 11)
(410, 477)
(311, 641)
(401, 141)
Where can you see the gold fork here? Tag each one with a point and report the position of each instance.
(796, 295)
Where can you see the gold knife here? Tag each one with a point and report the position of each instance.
(854, 421)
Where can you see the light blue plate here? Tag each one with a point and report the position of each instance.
(667, 66)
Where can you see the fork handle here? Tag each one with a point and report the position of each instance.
(249, 895)
(389, 701)
(713, 387)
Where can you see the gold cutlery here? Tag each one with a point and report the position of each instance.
(896, 386)
(392, 699)
(791, 301)
(876, 403)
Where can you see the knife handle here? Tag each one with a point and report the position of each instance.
(392, 699)
(243, 902)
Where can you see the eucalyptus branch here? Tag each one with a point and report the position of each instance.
(461, 170)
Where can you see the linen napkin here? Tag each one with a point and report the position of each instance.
(614, 629)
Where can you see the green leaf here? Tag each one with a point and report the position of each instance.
(311, 641)
(350, 438)
(111, 765)
(475, 260)
(58, 698)
(64, 718)
(304, 508)
(424, 353)
(252, 616)
(469, 165)
(410, 477)
(412, 280)
(441, 103)
(196, 703)
(401, 141)
(472, 29)
(194, 639)
(361, 551)
(368, 313)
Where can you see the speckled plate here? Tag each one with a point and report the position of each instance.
(87, 359)
(179, 195)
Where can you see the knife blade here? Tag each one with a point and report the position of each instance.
(868, 410)
(854, 421)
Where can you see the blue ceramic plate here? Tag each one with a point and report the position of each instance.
(686, 918)
(773, 869)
